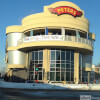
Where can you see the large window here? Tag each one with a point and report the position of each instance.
(61, 65)
(36, 60)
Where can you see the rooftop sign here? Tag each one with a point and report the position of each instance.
(66, 10)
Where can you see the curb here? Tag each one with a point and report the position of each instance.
(50, 90)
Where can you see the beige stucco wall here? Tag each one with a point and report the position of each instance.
(76, 67)
(46, 63)
(60, 44)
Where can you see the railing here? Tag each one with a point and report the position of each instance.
(79, 40)
(56, 38)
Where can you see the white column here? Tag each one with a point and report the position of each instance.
(63, 31)
(31, 32)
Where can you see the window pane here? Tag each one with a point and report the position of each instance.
(57, 76)
(40, 75)
(67, 65)
(68, 70)
(68, 61)
(72, 76)
(52, 76)
(57, 55)
(62, 61)
(62, 55)
(32, 55)
(53, 62)
(40, 61)
(31, 62)
(40, 69)
(72, 62)
(67, 55)
(36, 61)
(58, 61)
(52, 65)
(62, 65)
(72, 70)
(63, 70)
(52, 69)
(52, 55)
(72, 66)
(41, 55)
(62, 76)
(67, 76)
(72, 55)
(32, 67)
(57, 65)
(39, 65)
(36, 55)
(57, 69)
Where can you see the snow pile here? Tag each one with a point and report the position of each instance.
(4, 84)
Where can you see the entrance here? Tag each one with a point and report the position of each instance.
(38, 76)
(36, 65)
(31, 77)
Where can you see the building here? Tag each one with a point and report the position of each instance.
(95, 73)
(54, 45)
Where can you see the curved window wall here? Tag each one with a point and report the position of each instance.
(68, 32)
(61, 65)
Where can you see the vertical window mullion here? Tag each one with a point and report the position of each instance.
(50, 60)
(65, 65)
(38, 56)
(60, 65)
(34, 64)
(70, 65)
(81, 65)
(55, 64)
(42, 63)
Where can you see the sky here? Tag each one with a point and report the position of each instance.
(13, 11)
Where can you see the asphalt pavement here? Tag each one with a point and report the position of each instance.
(20, 94)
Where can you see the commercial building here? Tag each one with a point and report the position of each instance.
(54, 45)
(95, 74)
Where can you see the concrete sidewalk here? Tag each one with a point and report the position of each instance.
(50, 86)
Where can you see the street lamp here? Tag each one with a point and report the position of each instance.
(1, 62)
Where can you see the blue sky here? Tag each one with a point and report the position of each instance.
(13, 11)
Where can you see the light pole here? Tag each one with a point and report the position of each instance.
(1, 62)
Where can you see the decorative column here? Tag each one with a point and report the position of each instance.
(76, 67)
(63, 31)
(46, 64)
(31, 32)
(27, 65)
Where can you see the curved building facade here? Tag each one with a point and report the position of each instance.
(54, 45)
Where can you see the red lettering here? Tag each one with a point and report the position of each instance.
(66, 10)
